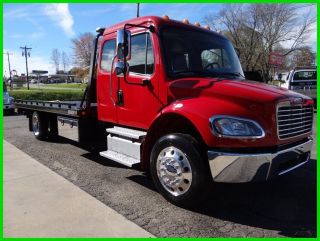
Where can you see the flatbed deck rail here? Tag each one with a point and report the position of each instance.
(57, 107)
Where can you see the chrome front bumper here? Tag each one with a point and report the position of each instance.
(236, 168)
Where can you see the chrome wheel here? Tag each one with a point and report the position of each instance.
(35, 124)
(174, 171)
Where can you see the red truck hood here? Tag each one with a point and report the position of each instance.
(228, 89)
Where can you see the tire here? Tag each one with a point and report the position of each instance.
(53, 127)
(178, 170)
(39, 124)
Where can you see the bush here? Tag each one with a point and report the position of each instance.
(62, 95)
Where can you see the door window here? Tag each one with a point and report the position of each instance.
(142, 57)
(108, 52)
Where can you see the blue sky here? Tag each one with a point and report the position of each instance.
(44, 27)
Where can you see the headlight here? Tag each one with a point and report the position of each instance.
(234, 127)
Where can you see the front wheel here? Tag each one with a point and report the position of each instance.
(178, 169)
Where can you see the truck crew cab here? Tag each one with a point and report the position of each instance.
(172, 99)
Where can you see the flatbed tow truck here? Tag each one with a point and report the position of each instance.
(170, 98)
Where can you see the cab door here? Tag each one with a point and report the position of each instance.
(106, 81)
(137, 95)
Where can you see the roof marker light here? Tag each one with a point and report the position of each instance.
(166, 17)
(185, 21)
(197, 24)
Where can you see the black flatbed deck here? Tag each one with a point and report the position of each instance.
(67, 108)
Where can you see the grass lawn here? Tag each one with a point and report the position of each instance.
(70, 85)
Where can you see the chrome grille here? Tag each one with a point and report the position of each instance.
(294, 120)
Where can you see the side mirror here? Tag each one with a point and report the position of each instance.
(123, 44)
(121, 68)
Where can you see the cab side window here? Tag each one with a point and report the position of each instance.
(142, 57)
(108, 52)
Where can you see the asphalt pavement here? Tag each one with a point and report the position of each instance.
(279, 208)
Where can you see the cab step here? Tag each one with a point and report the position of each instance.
(120, 158)
(126, 132)
(124, 145)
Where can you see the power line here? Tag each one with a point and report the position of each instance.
(26, 53)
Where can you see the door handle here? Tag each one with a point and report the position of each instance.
(145, 82)
(120, 97)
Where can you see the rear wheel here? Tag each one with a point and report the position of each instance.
(39, 125)
(53, 127)
(178, 169)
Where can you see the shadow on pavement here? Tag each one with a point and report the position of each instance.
(286, 204)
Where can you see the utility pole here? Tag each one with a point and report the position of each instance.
(8, 54)
(26, 53)
(138, 9)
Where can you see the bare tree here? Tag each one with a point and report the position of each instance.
(303, 57)
(65, 61)
(258, 29)
(82, 47)
(55, 58)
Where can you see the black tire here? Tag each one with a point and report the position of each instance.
(188, 150)
(39, 124)
(53, 127)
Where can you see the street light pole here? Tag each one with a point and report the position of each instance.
(8, 54)
(138, 9)
(26, 52)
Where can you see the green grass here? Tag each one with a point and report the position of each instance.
(71, 85)
(62, 95)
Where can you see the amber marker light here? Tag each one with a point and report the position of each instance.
(166, 17)
(185, 21)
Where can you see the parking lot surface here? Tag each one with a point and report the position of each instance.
(282, 207)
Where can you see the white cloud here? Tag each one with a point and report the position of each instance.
(17, 62)
(60, 14)
(312, 39)
(16, 13)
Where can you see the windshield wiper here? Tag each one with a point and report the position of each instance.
(195, 72)
(208, 73)
(236, 74)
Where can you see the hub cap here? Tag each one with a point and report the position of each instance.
(35, 124)
(174, 171)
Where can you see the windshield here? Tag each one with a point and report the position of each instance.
(305, 75)
(189, 53)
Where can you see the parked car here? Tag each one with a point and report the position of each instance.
(8, 101)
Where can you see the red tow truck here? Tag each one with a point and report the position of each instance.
(171, 98)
